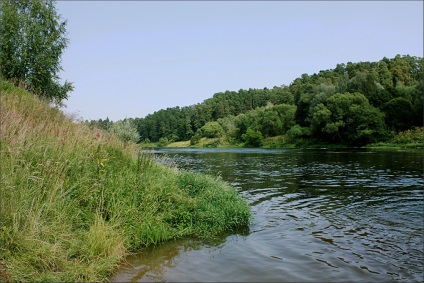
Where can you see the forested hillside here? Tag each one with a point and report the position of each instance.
(353, 104)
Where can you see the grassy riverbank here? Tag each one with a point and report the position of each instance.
(413, 138)
(409, 139)
(74, 201)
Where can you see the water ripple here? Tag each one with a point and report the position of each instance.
(319, 215)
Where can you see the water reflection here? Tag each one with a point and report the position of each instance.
(154, 264)
(319, 215)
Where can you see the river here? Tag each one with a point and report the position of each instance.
(319, 215)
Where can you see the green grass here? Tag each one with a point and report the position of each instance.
(179, 144)
(281, 141)
(413, 138)
(74, 201)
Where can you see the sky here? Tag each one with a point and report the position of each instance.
(128, 59)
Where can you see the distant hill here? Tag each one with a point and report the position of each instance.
(353, 104)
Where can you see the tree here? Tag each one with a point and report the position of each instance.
(348, 118)
(211, 130)
(271, 124)
(399, 113)
(286, 113)
(306, 102)
(384, 74)
(321, 116)
(401, 71)
(100, 123)
(125, 130)
(229, 126)
(253, 138)
(32, 39)
(418, 103)
(280, 95)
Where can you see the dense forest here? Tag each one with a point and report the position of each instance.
(353, 104)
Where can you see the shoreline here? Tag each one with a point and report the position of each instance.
(210, 143)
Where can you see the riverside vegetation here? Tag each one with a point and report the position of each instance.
(354, 104)
(75, 201)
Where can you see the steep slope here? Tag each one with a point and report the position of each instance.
(74, 201)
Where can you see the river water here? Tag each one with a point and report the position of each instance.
(318, 216)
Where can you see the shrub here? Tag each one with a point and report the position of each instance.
(195, 139)
(126, 131)
(211, 130)
(415, 135)
(163, 142)
(253, 138)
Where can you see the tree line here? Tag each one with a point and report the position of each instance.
(354, 104)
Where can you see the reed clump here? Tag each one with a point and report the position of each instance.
(75, 201)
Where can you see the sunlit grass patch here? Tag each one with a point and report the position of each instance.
(412, 138)
(179, 144)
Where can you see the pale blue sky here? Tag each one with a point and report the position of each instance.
(128, 59)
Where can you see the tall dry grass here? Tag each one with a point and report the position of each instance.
(75, 201)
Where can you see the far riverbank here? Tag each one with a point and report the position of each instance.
(409, 139)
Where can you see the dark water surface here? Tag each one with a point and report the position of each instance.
(319, 216)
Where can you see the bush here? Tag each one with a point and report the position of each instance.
(163, 142)
(297, 132)
(415, 135)
(211, 130)
(195, 139)
(253, 138)
(126, 131)
(173, 138)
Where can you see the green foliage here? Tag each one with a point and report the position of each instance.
(286, 113)
(186, 121)
(211, 130)
(32, 39)
(75, 201)
(411, 136)
(253, 138)
(100, 123)
(399, 113)
(297, 132)
(230, 128)
(125, 130)
(270, 123)
(418, 103)
(173, 138)
(317, 104)
(163, 142)
(349, 118)
(195, 139)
